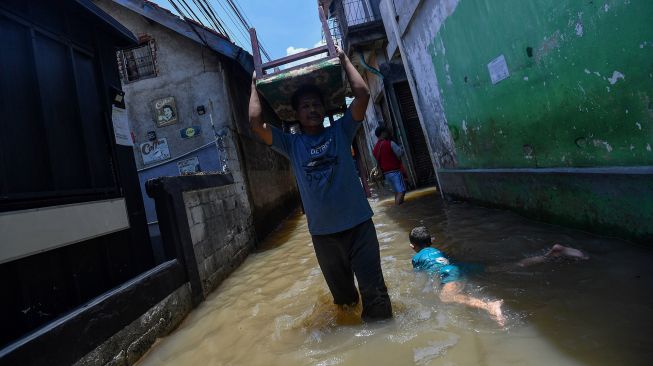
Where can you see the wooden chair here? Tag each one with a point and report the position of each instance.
(326, 73)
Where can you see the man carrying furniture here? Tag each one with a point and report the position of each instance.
(339, 216)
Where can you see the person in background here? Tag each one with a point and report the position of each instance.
(387, 154)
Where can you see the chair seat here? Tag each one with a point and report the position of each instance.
(279, 87)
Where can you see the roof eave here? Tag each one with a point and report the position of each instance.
(124, 35)
(178, 25)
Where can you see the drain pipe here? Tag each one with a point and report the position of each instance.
(413, 88)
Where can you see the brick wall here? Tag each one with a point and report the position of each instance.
(222, 231)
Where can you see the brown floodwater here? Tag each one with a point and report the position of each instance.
(275, 309)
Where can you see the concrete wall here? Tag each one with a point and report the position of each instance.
(132, 342)
(573, 119)
(222, 231)
(219, 225)
(270, 181)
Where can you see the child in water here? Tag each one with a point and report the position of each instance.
(432, 260)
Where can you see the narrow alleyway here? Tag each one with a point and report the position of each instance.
(275, 309)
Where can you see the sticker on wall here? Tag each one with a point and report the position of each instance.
(153, 151)
(121, 127)
(165, 111)
(498, 69)
(151, 135)
(190, 165)
(190, 132)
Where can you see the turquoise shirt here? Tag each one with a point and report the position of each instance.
(433, 261)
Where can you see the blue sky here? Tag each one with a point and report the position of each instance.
(283, 26)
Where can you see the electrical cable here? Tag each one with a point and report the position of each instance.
(216, 24)
(211, 19)
(244, 31)
(245, 37)
(192, 14)
(192, 26)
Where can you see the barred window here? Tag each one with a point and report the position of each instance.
(138, 62)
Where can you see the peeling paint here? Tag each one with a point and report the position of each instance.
(587, 71)
(547, 46)
(579, 25)
(601, 143)
(616, 75)
(579, 29)
(638, 125)
(606, 7)
(648, 147)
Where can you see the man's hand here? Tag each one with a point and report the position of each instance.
(341, 54)
(256, 122)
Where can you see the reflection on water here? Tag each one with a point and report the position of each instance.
(276, 309)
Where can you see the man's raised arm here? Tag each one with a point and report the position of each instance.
(256, 122)
(358, 87)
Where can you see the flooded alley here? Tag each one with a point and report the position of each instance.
(173, 171)
(276, 309)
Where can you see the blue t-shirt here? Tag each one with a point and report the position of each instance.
(331, 190)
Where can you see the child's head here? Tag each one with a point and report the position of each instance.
(308, 104)
(420, 238)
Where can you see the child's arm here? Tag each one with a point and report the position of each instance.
(256, 123)
(358, 87)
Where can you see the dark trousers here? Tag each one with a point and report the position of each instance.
(354, 252)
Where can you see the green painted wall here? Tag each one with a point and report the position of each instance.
(619, 205)
(565, 105)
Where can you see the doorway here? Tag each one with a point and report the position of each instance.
(417, 149)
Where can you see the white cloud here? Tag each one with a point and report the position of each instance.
(291, 50)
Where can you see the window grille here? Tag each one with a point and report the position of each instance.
(138, 62)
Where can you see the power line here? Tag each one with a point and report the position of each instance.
(233, 21)
(211, 19)
(216, 23)
(192, 14)
(237, 36)
(246, 25)
(240, 9)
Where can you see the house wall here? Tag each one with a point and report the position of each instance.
(187, 71)
(567, 136)
(197, 76)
